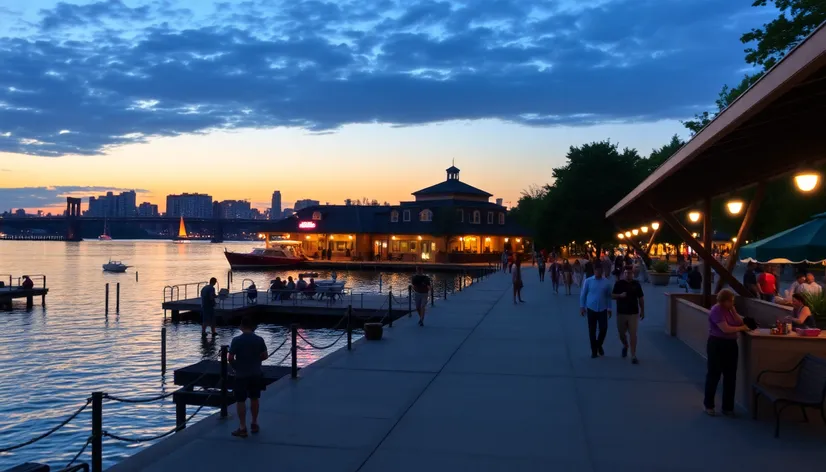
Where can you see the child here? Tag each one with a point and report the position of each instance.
(246, 352)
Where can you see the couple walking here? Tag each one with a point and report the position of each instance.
(595, 302)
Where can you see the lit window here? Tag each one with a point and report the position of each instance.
(477, 217)
(426, 215)
(501, 218)
(406, 215)
(461, 215)
(316, 215)
(490, 217)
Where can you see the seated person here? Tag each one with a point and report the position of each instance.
(275, 288)
(312, 287)
(801, 315)
(252, 293)
(302, 284)
(289, 288)
(27, 283)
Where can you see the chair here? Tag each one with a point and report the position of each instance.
(808, 392)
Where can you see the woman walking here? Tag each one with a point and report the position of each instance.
(556, 271)
(721, 350)
(567, 276)
(577, 273)
(517, 281)
(541, 268)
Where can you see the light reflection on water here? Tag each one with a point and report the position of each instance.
(52, 358)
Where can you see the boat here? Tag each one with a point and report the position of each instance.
(276, 253)
(182, 237)
(105, 236)
(308, 275)
(115, 266)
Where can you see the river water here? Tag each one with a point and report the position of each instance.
(53, 357)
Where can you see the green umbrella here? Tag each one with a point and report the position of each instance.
(804, 243)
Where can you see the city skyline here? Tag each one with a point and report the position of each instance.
(351, 99)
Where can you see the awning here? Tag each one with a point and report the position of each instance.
(804, 243)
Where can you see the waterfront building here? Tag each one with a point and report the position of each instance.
(189, 205)
(123, 205)
(275, 209)
(287, 212)
(447, 222)
(233, 210)
(148, 210)
(306, 203)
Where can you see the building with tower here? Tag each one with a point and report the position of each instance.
(275, 209)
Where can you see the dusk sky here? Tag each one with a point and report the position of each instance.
(343, 99)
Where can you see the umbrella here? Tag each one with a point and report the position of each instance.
(804, 243)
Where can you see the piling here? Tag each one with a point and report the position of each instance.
(445, 290)
(136, 276)
(163, 350)
(349, 327)
(432, 297)
(294, 350)
(117, 298)
(224, 375)
(409, 301)
(390, 309)
(97, 432)
(107, 298)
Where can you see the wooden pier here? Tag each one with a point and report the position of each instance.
(12, 290)
(393, 266)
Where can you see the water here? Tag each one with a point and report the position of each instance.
(52, 358)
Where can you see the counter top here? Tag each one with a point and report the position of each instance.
(766, 333)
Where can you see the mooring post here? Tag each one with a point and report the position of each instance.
(224, 351)
(460, 282)
(349, 327)
(294, 350)
(409, 301)
(163, 350)
(445, 285)
(97, 432)
(229, 279)
(117, 298)
(136, 276)
(432, 297)
(107, 298)
(390, 309)
(180, 415)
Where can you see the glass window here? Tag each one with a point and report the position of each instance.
(490, 217)
(394, 216)
(460, 215)
(477, 217)
(394, 246)
(316, 215)
(406, 215)
(501, 218)
(404, 247)
(426, 215)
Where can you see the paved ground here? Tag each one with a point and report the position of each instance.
(489, 386)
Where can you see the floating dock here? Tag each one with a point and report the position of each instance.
(12, 290)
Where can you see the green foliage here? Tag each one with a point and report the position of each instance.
(660, 267)
(817, 305)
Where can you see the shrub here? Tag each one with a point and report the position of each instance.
(817, 304)
(660, 267)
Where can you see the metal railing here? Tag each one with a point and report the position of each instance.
(172, 293)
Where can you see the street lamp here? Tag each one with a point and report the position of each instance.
(734, 207)
(807, 181)
(655, 226)
(644, 229)
(694, 216)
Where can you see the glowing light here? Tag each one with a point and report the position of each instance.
(620, 236)
(462, 239)
(694, 216)
(734, 239)
(307, 237)
(306, 225)
(486, 239)
(807, 181)
(694, 235)
(506, 239)
(332, 236)
(287, 236)
(655, 226)
(260, 236)
(734, 207)
(628, 234)
(419, 238)
(393, 238)
(518, 240)
(635, 232)
(644, 229)
(351, 237)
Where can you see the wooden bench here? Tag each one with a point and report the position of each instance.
(808, 392)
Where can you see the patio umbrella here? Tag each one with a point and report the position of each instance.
(804, 243)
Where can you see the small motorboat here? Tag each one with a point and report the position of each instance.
(115, 266)
(308, 275)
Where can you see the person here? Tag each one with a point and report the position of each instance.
(810, 286)
(767, 283)
(541, 268)
(694, 280)
(630, 311)
(589, 268)
(750, 279)
(246, 352)
(27, 284)
(577, 273)
(595, 300)
(334, 275)
(567, 276)
(208, 297)
(311, 288)
(801, 315)
(798, 283)
(517, 282)
(421, 289)
(555, 271)
(619, 265)
(722, 352)
(505, 260)
(302, 284)
(289, 288)
(252, 293)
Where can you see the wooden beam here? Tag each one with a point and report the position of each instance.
(683, 233)
(651, 241)
(745, 227)
(707, 230)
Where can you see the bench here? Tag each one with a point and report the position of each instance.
(809, 390)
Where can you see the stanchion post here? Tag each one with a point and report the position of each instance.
(97, 432)
(229, 278)
(349, 327)
(117, 297)
(445, 290)
(294, 350)
(432, 297)
(136, 276)
(163, 350)
(409, 301)
(224, 375)
(390, 309)
(107, 298)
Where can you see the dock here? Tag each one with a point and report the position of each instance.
(393, 266)
(489, 385)
(12, 290)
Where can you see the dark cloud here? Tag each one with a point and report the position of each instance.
(322, 64)
(42, 197)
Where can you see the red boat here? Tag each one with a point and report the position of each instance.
(278, 253)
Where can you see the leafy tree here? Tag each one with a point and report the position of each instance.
(659, 156)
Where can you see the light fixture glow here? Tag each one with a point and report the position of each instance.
(393, 238)
(307, 237)
(506, 239)
(620, 236)
(351, 237)
(655, 226)
(644, 229)
(628, 234)
(734, 207)
(734, 239)
(694, 216)
(635, 232)
(807, 181)
(518, 240)
(694, 235)
(419, 237)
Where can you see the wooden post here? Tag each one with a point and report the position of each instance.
(409, 301)
(97, 432)
(180, 415)
(107, 298)
(294, 350)
(707, 231)
(390, 308)
(349, 327)
(224, 377)
(745, 227)
(651, 241)
(163, 350)
(117, 297)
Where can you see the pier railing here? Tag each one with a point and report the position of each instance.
(172, 293)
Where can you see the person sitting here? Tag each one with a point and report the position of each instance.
(302, 284)
(289, 288)
(252, 293)
(801, 315)
(312, 288)
(275, 289)
(27, 283)
(694, 279)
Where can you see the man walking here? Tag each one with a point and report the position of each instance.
(208, 297)
(421, 288)
(630, 311)
(246, 352)
(595, 301)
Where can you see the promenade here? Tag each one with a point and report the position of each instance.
(490, 386)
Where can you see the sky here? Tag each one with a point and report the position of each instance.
(329, 99)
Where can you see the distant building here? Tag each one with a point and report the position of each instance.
(234, 210)
(287, 212)
(123, 205)
(255, 214)
(275, 210)
(148, 210)
(20, 212)
(302, 204)
(189, 205)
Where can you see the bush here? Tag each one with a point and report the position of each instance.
(660, 267)
(817, 305)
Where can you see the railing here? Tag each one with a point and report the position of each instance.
(172, 293)
(3, 276)
(39, 280)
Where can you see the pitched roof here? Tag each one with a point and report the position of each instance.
(452, 186)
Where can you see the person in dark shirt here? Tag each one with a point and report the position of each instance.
(589, 269)
(695, 280)
(421, 288)
(246, 352)
(630, 311)
(27, 284)
(208, 297)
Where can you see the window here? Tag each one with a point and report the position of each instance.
(490, 217)
(501, 218)
(406, 215)
(394, 216)
(426, 215)
(316, 215)
(460, 214)
(477, 217)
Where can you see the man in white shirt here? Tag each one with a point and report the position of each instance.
(810, 286)
(595, 301)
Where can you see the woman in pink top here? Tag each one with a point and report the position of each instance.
(721, 350)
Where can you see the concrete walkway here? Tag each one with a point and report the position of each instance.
(489, 386)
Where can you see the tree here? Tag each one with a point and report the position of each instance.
(658, 156)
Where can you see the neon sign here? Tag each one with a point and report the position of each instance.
(306, 225)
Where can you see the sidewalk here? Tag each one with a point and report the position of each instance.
(489, 386)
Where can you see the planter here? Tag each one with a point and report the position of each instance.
(373, 331)
(658, 278)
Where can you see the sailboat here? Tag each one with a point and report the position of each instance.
(182, 237)
(105, 236)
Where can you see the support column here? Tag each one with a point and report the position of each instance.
(745, 227)
(707, 236)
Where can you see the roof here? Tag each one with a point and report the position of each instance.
(452, 170)
(771, 130)
(452, 187)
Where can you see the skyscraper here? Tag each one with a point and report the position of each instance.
(275, 210)
(192, 205)
(111, 205)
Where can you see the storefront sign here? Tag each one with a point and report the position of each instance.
(306, 225)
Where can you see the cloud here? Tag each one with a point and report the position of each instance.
(46, 197)
(114, 74)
